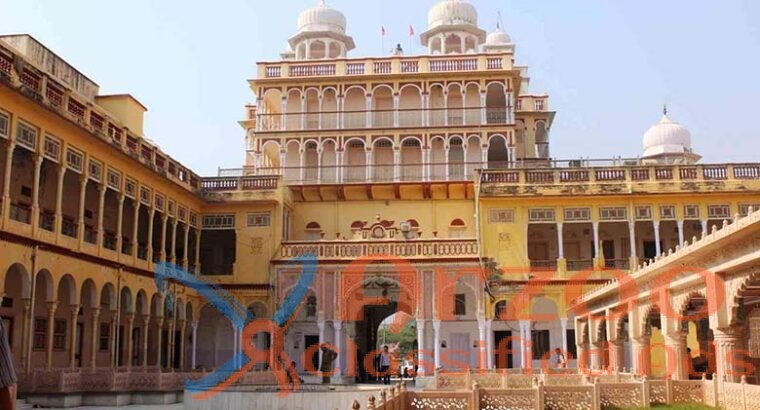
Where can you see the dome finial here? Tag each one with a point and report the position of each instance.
(322, 3)
(664, 109)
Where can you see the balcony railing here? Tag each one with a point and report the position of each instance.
(626, 171)
(242, 183)
(387, 66)
(384, 173)
(47, 221)
(349, 250)
(543, 264)
(109, 240)
(401, 118)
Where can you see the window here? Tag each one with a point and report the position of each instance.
(114, 179)
(311, 306)
(460, 304)
(691, 211)
(496, 216)
(145, 195)
(95, 170)
(130, 188)
(643, 213)
(52, 148)
(719, 212)
(104, 337)
(613, 214)
(541, 215)
(74, 160)
(159, 202)
(40, 334)
(313, 231)
(260, 219)
(59, 334)
(577, 214)
(5, 124)
(539, 105)
(219, 221)
(26, 136)
(667, 212)
(744, 209)
(518, 106)
(541, 344)
(457, 229)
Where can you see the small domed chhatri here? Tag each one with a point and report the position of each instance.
(452, 12)
(321, 35)
(668, 142)
(322, 18)
(453, 28)
(498, 41)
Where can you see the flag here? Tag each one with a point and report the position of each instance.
(382, 31)
(411, 30)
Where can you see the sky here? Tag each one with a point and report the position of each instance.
(608, 66)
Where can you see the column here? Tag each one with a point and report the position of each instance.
(421, 370)
(597, 353)
(395, 110)
(128, 337)
(437, 343)
(80, 213)
(426, 163)
(198, 251)
(704, 228)
(186, 244)
(563, 323)
(321, 327)
(632, 236)
(119, 223)
(368, 108)
(94, 337)
(162, 249)
(679, 224)
(446, 107)
(301, 164)
(396, 164)
(582, 359)
(73, 335)
(59, 200)
(7, 180)
(112, 339)
(194, 326)
(368, 162)
(642, 364)
(151, 216)
(341, 112)
(617, 355)
(146, 323)
(235, 341)
(159, 337)
(173, 247)
(35, 219)
(482, 354)
(676, 356)
(99, 235)
(50, 328)
(447, 150)
(728, 341)
(319, 116)
(528, 345)
(483, 114)
(284, 111)
(320, 151)
(337, 327)
(658, 247)
(135, 225)
(303, 112)
(489, 343)
(560, 240)
(25, 334)
(182, 330)
(597, 253)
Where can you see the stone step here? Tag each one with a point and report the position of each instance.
(23, 405)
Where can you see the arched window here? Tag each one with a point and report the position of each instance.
(457, 229)
(313, 231)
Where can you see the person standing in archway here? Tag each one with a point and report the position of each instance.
(8, 378)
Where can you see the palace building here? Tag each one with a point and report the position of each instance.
(424, 185)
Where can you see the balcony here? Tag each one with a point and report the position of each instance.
(401, 118)
(398, 65)
(412, 249)
(588, 177)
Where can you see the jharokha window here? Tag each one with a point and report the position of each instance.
(104, 336)
(40, 334)
(59, 335)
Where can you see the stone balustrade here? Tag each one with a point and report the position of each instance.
(412, 249)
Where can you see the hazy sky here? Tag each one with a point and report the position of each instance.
(608, 65)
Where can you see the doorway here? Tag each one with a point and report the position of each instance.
(502, 342)
(309, 341)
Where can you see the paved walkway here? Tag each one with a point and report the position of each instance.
(177, 406)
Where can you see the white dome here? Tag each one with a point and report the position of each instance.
(667, 137)
(452, 12)
(498, 38)
(322, 18)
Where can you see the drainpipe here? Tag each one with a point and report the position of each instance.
(487, 286)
